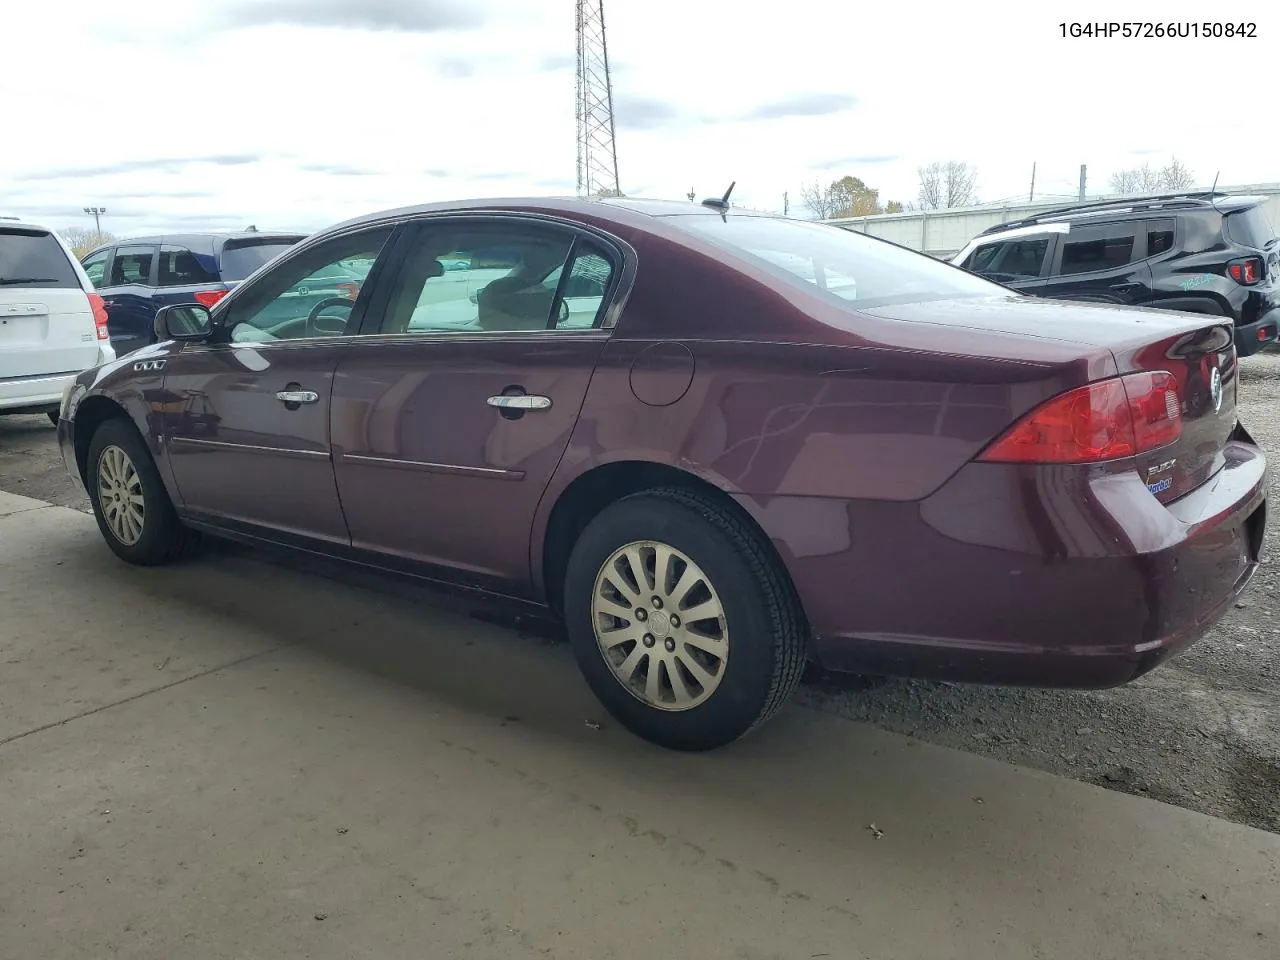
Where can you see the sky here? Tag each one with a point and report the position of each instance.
(295, 114)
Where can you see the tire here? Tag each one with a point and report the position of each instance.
(155, 537)
(735, 670)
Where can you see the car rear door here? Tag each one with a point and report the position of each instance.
(46, 322)
(128, 292)
(1101, 262)
(453, 408)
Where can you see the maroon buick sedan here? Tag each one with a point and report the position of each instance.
(717, 444)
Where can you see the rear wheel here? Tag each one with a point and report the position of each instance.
(130, 502)
(682, 623)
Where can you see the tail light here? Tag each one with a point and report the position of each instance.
(207, 298)
(99, 307)
(350, 290)
(1107, 420)
(1246, 271)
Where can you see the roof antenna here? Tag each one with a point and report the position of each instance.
(720, 203)
(1214, 188)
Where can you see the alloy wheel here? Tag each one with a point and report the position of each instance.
(660, 625)
(120, 495)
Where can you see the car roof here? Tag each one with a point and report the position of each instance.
(26, 224)
(625, 211)
(188, 238)
(1142, 207)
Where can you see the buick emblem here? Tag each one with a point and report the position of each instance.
(1215, 389)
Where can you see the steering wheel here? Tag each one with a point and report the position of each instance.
(314, 329)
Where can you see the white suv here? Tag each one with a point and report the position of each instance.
(52, 324)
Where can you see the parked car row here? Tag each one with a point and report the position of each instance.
(717, 444)
(1205, 253)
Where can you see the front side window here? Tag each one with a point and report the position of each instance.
(1011, 260)
(465, 277)
(96, 268)
(179, 267)
(132, 265)
(1106, 246)
(34, 258)
(310, 295)
(845, 265)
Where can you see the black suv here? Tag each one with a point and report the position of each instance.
(136, 277)
(1207, 253)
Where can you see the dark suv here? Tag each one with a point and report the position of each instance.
(137, 277)
(1209, 253)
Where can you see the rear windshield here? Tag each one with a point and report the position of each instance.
(34, 258)
(846, 265)
(241, 257)
(1250, 228)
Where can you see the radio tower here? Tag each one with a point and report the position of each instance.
(597, 156)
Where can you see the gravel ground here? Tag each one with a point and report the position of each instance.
(1201, 732)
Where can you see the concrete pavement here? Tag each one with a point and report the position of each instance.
(230, 758)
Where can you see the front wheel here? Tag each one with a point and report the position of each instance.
(130, 503)
(683, 624)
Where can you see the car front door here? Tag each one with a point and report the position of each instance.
(1104, 262)
(247, 415)
(453, 408)
(127, 296)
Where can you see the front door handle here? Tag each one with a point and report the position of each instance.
(520, 401)
(297, 396)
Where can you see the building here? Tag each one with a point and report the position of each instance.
(943, 233)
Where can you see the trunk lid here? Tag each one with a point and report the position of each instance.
(1197, 350)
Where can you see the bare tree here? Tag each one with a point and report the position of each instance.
(930, 194)
(818, 199)
(1124, 182)
(960, 181)
(1177, 175)
(82, 240)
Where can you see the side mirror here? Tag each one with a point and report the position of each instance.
(183, 321)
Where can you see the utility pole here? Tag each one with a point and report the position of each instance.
(1083, 178)
(1031, 199)
(691, 195)
(96, 213)
(597, 149)
(786, 204)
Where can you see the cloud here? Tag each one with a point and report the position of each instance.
(166, 165)
(338, 169)
(557, 62)
(803, 105)
(419, 16)
(865, 160)
(456, 69)
(642, 113)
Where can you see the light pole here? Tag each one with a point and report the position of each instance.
(96, 213)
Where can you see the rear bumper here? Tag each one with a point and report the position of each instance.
(36, 394)
(1011, 576)
(1247, 334)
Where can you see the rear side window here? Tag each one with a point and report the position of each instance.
(179, 267)
(132, 265)
(1020, 259)
(842, 264)
(34, 258)
(241, 257)
(1102, 247)
(1159, 237)
(1250, 228)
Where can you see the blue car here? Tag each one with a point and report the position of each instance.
(136, 277)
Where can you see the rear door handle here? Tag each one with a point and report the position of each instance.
(520, 401)
(297, 396)
(1126, 287)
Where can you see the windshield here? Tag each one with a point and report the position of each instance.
(1250, 228)
(843, 264)
(35, 258)
(241, 257)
